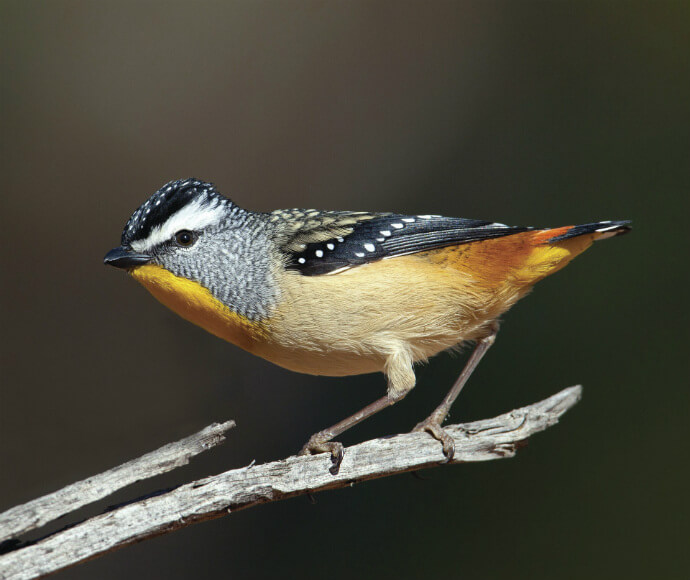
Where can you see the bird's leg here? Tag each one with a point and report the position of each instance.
(432, 424)
(321, 442)
(401, 379)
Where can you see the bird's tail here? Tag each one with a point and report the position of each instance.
(597, 231)
(553, 248)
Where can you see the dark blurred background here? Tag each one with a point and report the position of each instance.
(527, 113)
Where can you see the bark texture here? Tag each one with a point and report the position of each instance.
(221, 494)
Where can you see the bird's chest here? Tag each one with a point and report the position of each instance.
(195, 303)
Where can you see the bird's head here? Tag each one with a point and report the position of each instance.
(170, 228)
(192, 232)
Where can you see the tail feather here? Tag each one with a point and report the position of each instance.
(552, 249)
(606, 229)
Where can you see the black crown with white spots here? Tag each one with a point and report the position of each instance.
(168, 200)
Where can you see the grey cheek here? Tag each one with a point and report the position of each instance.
(182, 264)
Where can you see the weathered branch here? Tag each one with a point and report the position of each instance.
(218, 495)
(36, 513)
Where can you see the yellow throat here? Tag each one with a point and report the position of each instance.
(195, 303)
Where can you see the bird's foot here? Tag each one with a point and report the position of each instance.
(432, 425)
(321, 443)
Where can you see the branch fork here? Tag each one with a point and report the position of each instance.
(219, 495)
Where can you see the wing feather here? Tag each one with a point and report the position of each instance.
(317, 243)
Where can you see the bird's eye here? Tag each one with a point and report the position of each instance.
(185, 238)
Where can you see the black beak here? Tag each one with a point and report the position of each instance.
(125, 258)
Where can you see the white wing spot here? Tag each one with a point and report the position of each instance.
(408, 220)
(359, 254)
(397, 226)
(330, 246)
(340, 239)
(380, 239)
(385, 233)
(370, 247)
(301, 260)
(319, 253)
(424, 217)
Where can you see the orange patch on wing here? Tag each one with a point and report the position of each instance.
(520, 259)
(543, 236)
(489, 262)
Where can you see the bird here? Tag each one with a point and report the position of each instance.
(341, 293)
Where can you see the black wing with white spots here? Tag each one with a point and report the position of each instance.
(336, 241)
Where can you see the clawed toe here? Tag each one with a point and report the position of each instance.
(319, 443)
(434, 428)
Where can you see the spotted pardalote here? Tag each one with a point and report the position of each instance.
(341, 292)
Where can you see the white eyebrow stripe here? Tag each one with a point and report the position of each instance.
(193, 216)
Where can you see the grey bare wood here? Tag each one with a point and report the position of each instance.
(218, 495)
(36, 513)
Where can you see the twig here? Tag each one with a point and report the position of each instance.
(36, 513)
(218, 495)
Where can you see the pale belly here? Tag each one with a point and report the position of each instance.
(350, 323)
